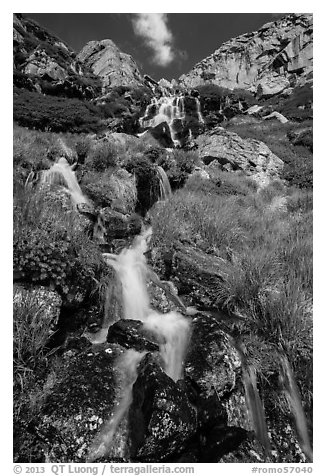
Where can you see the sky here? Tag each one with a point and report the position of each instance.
(164, 45)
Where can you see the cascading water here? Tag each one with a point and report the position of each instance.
(165, 187)
(131, 268)
(253, 401)
(168, 108)
(127, 366)
(293, 397)
(165, 109)
(199, 114)
(61, 173)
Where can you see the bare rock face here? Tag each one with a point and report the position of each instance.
(234, 153)
(267, 61)
(107, 61)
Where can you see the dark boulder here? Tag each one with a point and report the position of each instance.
(162, 420)
(162, 134)
(118, 225)
(73, 407)
(130, 333)
(197, 274)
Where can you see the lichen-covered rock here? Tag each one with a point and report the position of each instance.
(234, 153)
(212, 361)
(161, 418)
(197, 274)
(77, 402)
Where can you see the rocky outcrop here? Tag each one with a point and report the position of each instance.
(74, 407)
(42, 62)
(268, 61)
(109, 63)
(234, 153)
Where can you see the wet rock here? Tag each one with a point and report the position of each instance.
(161, 418)
(212, 362)
(162, 134)
(131, 334)
(117, 225)
(76, 401)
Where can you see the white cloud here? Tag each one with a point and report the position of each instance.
(154, 29)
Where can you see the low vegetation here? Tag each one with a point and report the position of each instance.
(266, 248)
(287, 142)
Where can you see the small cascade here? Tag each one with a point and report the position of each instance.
(253, 401)
(255, 407)
(132, 270)
(199, 114)
(61, 173)
(293, 397)
(127, 365)
(165, 187)
(167, 109)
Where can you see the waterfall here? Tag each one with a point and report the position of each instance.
(61, 173)
(199, 114)
(165, 109)
(132, 270)
(293, 397)
(127, 365)
(253, 400)
(165, 187)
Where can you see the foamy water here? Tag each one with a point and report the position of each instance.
(61, 173)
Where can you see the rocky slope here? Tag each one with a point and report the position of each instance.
(44, 63)
(109, 63)
(268, 61)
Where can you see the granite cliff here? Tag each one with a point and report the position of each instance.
(110, 64)
(276, 57)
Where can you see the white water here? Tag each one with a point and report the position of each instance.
(127, 365)
(199, 114)
(62, 174)
(132, 270)
(165, 187)
(293, 397)
(166, 109)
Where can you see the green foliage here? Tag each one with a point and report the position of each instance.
(49, 245)
(31, 332)
(49, 113)
(178, 164)
(297, 158)
(82, 147)
(221, 183)
(104, 187)
(297, 106)
(299, 172)
(266, 269)
(103, 155)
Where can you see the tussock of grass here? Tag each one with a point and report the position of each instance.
(267, 276)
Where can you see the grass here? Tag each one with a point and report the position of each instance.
(267, 272)
(297, 155)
